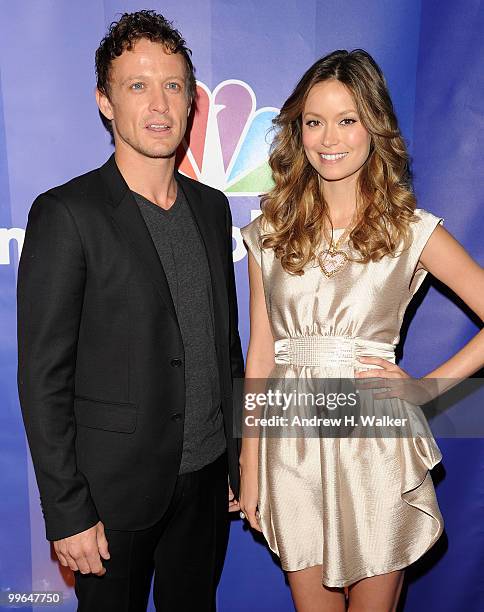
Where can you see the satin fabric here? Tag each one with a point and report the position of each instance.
(357, 506)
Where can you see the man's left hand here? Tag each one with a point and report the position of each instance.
(234, 505)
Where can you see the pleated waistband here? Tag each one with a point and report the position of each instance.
(330, 351)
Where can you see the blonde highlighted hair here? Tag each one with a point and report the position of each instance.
(295, 210)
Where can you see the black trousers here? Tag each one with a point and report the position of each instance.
(185, 550)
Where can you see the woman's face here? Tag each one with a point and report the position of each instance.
(334, 139)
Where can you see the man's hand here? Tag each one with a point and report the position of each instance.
(234, 505)
(82, 551)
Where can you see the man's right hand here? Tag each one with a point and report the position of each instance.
(83, 551)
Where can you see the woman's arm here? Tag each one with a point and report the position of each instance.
(259, 363)
(450, 263)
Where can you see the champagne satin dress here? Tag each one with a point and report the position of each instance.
(357, 506)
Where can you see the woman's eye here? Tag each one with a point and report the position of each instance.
(312, 123)
(348, 121)
(137, 86)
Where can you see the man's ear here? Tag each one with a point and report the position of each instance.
(104, 104)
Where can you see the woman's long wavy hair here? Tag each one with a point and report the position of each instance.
(295, 209)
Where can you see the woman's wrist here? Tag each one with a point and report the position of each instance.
(248, 463)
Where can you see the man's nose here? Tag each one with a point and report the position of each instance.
(159, 101)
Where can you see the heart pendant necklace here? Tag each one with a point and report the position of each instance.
(333, 260)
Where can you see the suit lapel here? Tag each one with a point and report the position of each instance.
(128, 218)
(210, 241)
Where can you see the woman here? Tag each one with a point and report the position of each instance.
(334, 260)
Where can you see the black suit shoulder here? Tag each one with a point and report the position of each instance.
(205, 190)
(207, 193)
(89, 190)
(84, 190)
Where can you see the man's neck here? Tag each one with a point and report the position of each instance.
(152, 178)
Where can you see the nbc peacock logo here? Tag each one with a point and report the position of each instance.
(227, 144)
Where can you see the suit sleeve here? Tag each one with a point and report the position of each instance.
(236, 356)
(50, 292)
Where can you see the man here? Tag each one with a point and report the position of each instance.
(128, 344)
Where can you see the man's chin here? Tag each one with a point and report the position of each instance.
(150, 151)
(157, 153)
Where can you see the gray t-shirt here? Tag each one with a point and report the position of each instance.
(182, 255)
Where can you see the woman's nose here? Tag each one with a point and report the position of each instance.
(329, 136)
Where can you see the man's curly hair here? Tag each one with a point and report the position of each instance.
(131, 27)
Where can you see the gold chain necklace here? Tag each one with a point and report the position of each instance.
(333, 260)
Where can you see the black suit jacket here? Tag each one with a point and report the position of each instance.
(101, 362)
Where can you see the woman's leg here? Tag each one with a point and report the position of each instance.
(309, 595)
(377, 593)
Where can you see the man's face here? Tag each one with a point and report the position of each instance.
(148, 104)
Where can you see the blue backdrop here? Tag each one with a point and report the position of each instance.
(248, 56)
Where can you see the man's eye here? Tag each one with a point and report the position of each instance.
(137, 86)
(173, 85)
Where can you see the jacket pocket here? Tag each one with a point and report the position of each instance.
(105, 415)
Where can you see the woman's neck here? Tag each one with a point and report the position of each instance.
(340, 197)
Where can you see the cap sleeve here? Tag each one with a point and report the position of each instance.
(252, 237)
(422, 230)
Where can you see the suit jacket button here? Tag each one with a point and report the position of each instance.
(176, 417)
(176, 363)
